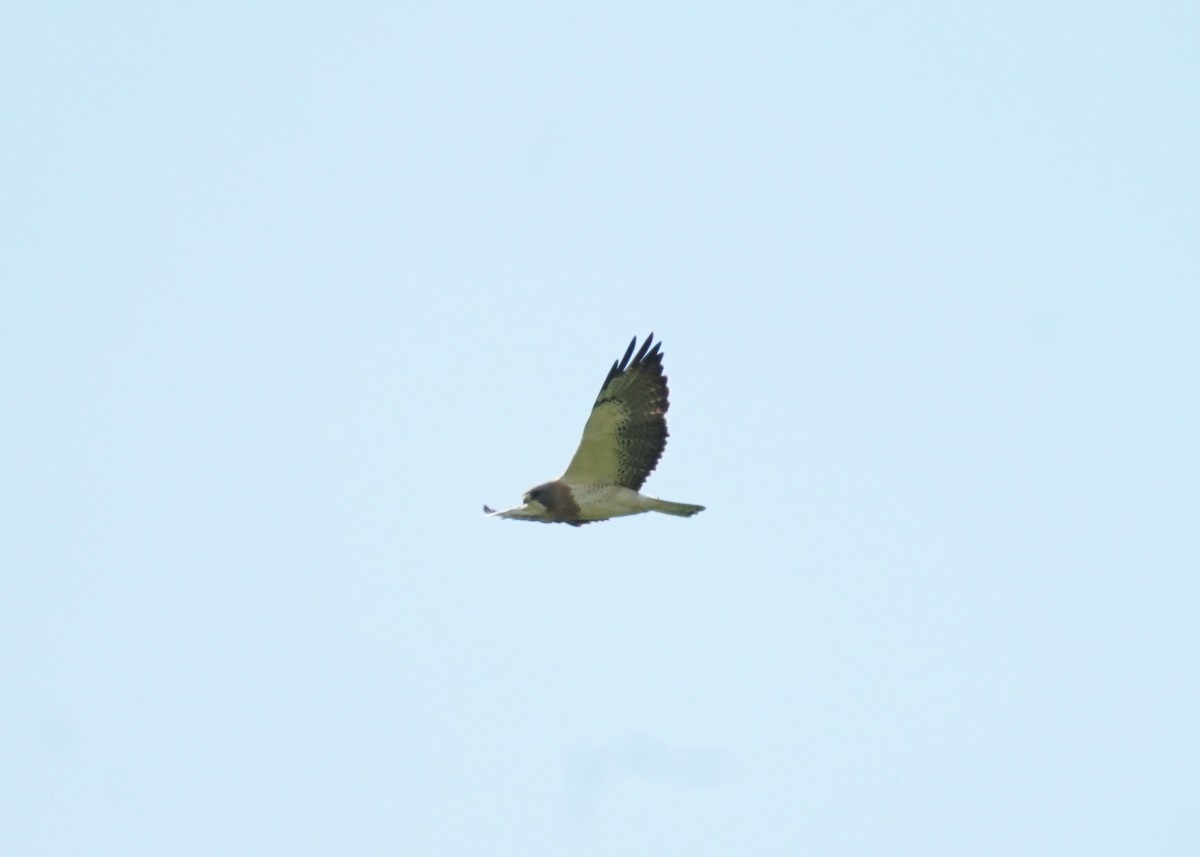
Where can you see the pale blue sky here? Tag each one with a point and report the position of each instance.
(291, 290)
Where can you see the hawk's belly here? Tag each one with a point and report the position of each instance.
(597, 502)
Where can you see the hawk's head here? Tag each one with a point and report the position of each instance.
(549, 502)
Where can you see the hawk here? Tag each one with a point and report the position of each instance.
(622, 442)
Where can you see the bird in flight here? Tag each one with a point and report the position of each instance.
(622, 442)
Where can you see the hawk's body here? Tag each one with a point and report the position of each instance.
(622, 442)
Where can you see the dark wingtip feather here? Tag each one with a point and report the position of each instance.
(646, 355)
(628, 351)
(641, 355)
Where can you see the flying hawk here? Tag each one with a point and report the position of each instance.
(622, 442)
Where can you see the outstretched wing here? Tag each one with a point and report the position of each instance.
(627, 430)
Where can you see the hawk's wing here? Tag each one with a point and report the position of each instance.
(627, 430)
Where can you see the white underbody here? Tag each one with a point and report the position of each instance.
(597, 502)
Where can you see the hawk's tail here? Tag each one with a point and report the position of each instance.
(683, 510)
